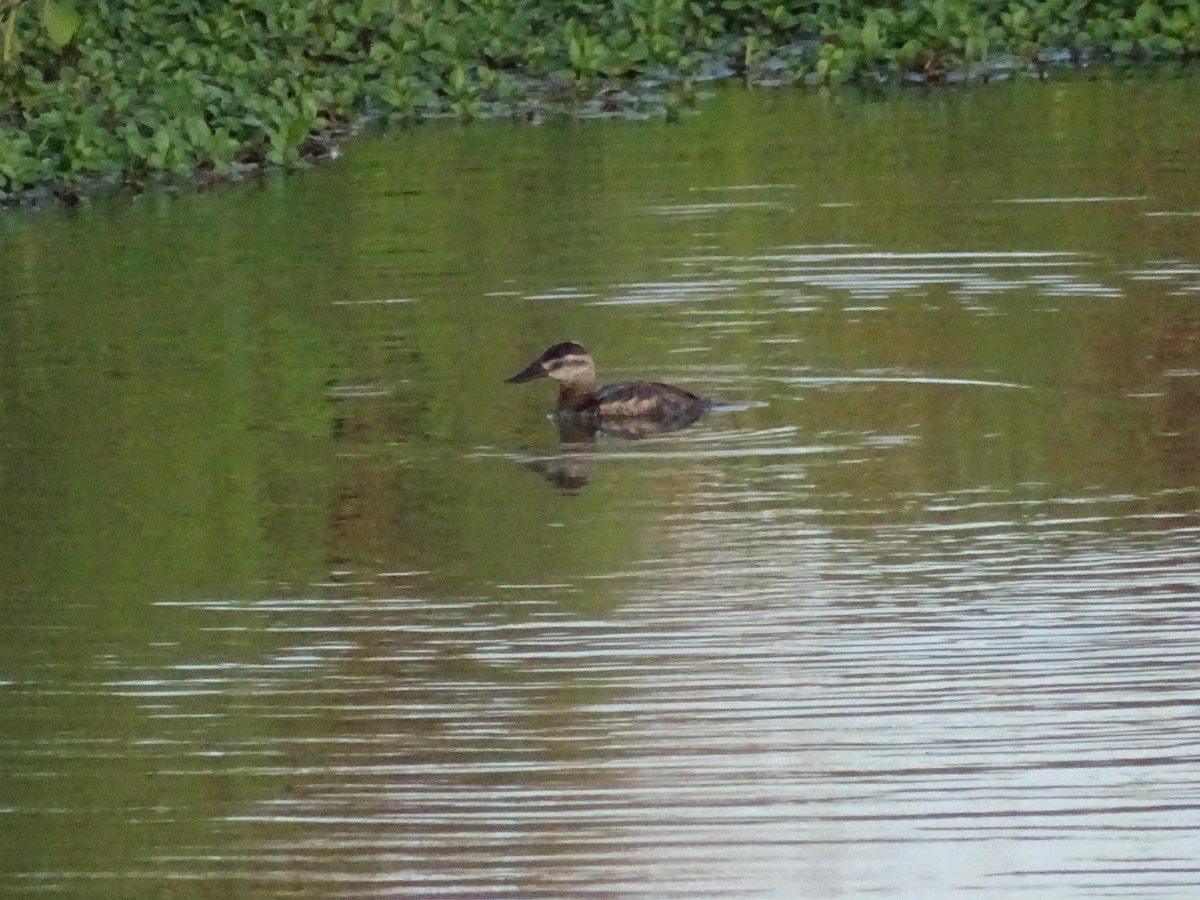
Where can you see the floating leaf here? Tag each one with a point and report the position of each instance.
(61, 22)
(198, 132)
(871, 40)
(9, 43)
(297, 131)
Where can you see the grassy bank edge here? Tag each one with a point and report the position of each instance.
(123, 94)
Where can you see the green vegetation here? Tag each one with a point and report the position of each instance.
(133, 90)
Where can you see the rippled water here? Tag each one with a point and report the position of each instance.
(302, 600)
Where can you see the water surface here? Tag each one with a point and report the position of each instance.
(301, 600)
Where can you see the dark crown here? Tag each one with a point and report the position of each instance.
(566, 348)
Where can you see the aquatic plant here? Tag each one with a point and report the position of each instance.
(134, 90)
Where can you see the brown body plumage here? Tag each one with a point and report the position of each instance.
(571, 366)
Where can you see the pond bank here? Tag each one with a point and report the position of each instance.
(125, 95)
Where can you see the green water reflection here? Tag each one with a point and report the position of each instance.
(281, 389)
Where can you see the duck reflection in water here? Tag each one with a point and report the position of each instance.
(627, 409)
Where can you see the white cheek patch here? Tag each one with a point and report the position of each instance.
(568, 368)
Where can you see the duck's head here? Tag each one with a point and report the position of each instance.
(567, 362)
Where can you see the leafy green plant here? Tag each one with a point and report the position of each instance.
(58, 18)
(150, 88)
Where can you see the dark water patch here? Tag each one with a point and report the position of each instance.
(288, 612)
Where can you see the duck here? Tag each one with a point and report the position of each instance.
(571, 365)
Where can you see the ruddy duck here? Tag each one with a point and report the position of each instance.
(571, 366)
